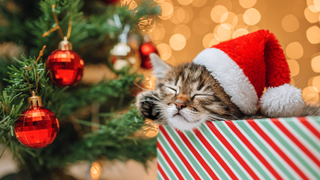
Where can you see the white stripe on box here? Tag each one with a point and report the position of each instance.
(241, 155)
(294, 146)
(270, 161)
(314, 122)
(251, 154)
(164, 169)
(222, 157)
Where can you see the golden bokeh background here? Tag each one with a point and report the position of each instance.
(186, 27)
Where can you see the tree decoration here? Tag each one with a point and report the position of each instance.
(122, 54)
(145, 50)
(37, 126)
(64, 66)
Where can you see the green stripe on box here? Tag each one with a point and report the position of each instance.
(165, 166)
(317, 119)
(263, 147)
(198, 145)
(287, 146)
(304, 135)
(174, 157)
(188, 155)
(229, 135)
(223, 151)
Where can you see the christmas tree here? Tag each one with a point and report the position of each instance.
(93, 28)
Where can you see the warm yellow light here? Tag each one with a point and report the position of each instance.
(95, 170)
(178, 42)
(251, 16)
(312, 17)
(151, 130)
(164, 51)
(217, 12)
(229, 17)
(316, 82)
(207, 39)
(184, 30)
(316, 3)
(214, 42)
(179, 15)
(315, 64)
(294, 50)
(313, 8)
(239, 32)
(290, 23)
(310, 94)
(200, 26)
(224, 31)
(158, 33)
(188, 14)
(150, 82)
(313, 34)
(198, 3)
(294, 67)
(185, 2)
(166, 10)
(247, 3)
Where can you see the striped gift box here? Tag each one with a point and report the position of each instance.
(284, 148)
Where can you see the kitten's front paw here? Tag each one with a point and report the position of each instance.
(146, 103)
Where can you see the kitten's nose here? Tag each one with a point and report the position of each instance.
(180, 105)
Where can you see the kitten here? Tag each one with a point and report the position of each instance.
(187, 95)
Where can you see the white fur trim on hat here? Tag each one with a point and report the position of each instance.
(282, 101)
(231, 78)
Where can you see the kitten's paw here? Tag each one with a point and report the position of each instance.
(146, 103)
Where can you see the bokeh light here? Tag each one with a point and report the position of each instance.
(217, 12)
(166, 10)
(316, 3)
(313, 35)
(229, 17)
(310, 94)
(247, 3)
(95, 170)
(315, 64)
(294, 50)
(316, 82)
(178, 16)
(239, 32)
(251, 16)
(294, 67)
(207, 39)
(184, 30)
(177, 42)
(185, 2)
(312, 17)
(157, 34)
(198, 3)
(290, 23)
(188, 14)
(165, 51)
(224, 32)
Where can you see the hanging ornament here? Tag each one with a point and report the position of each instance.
(37, 126)
(145, 50)
(64, 66)
(122, 55)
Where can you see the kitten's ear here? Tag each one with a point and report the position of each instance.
(160, 68)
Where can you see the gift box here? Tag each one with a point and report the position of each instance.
(277, 148)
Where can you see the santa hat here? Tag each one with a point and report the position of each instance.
(245, 66)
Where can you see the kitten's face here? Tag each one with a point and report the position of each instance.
(190, 95)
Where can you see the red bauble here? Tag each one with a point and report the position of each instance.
(145, 50)
(37, 127)
(65, 67)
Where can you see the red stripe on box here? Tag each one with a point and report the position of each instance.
(197, 155)
(253, 149)
(215, 154)
(232, 150)
(305, 122)
(295, 140)
(175, 148)
(177, 173)
(163, 174)
(275, 147)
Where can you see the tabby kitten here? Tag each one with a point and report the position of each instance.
(187, 95)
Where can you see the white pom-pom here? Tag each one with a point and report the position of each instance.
(282, 101)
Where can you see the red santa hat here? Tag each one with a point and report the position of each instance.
(245, 66)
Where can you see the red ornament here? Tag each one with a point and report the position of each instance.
(65, 67)
(145, 50)
(37, 127)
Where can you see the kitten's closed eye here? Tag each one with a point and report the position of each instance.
(202, 96)
(172, 90)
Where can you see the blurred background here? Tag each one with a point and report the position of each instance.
(186, 27)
